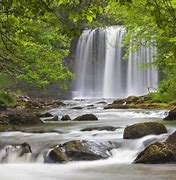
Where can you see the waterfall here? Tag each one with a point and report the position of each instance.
(101, 71)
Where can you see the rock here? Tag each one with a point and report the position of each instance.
(116, 106)
(172, 139)
(132, 99)
(86, 117)
(143, 129)
(107, 128)
(80, 150)
(91, 106)
(66, 118)
(119, 101)
(23, 118)
(55, 118)
(157, 153)
(47, 114)
(25, 148)
(77, 107)
(171, 116)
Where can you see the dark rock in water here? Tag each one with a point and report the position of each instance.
(107, 128)
(47, 114)
(77, 107)
(23, 118)
(66, 118)
(86, 117)
(80, 150)
(25, 148)
(171, 116)
(157, 153)
(132, 99)
(55, 118)
(172, 139)
(143, 129)
(116, 106)
(119, 101)
(91, 106)
(2, 106)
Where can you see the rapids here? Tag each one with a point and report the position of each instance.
(43, 138)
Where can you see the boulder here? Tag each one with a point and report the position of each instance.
(79, 150)
(107, 128)
(132, 99)
(77, 107)
(143, 129)
(116, 106)
(86, 117)
(23, 118)
(171, 116)
(66, 118)
(25, 148)
(157, 153)
(172, 139)
(46, 114)
(119, 101)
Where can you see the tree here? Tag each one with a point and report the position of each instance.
(36, 35)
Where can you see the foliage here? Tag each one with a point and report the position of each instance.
(7, 97)
(152, 22)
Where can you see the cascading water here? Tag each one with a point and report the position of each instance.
(101, 71)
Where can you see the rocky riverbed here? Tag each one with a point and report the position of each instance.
(101, 141)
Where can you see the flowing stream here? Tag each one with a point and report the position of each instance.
(45, 137)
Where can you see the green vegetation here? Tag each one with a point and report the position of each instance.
(36, 36)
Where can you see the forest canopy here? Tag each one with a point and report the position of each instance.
(36, 35)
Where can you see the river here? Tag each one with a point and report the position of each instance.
(118, 166)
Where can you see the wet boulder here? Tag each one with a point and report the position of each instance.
(46, 114)
(171, 116)
(116, 106)
(79, 150)
(86, 117)
(65, 118)
(104, 128)
(171, 139)
(77, 107)
(143, 129)
(157, 153)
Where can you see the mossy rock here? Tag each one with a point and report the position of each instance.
(143, 129)
(116, 106)
(104, 128)
(157, 153)
(86, 117)
(79, 150)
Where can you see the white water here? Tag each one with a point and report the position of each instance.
(101, 70)
(43, 138)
